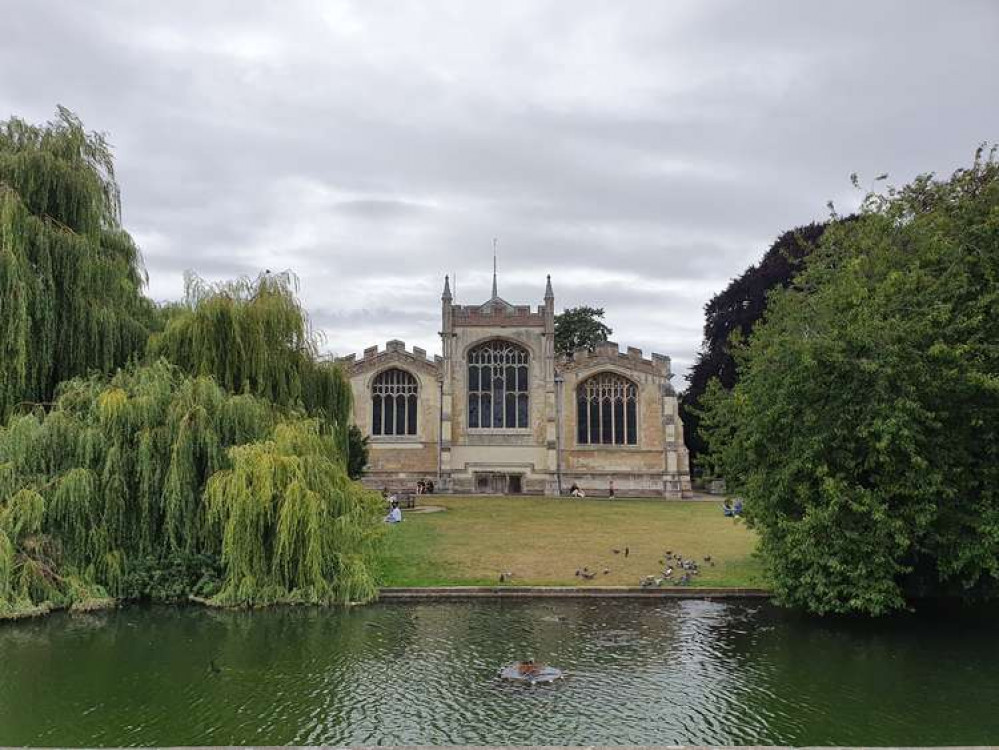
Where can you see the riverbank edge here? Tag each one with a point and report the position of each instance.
(551, 747)
(569, 592)
(46, 608)
(399, 593)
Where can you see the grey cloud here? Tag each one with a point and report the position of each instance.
(642, 153)
(379, 209)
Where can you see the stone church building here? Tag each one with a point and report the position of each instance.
(500, 413)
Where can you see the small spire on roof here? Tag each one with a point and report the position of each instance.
(495, 293)
(447, 290)
(549, 294)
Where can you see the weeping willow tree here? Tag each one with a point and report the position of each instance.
(70, 276)
(291, 523)
(104, 461)
(117, 470)
(253, 336)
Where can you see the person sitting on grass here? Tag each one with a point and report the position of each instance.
(394, 515)
(575, 491)
(731, 511)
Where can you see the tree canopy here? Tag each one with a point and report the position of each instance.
(253, 336)
(862, 430)
(579, 328)
(732, 313)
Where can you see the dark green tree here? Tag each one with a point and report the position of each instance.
(731, 315)
(357, 452)
(579, 328)
(863, 430)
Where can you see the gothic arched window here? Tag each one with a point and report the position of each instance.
(498, 386)
(394, 403)
(606, 410)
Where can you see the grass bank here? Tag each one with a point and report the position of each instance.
(543, 541)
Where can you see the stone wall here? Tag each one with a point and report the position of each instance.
(398, 461)
(525, 453)
(657, 464)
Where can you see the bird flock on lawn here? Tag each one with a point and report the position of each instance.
(675, 570)
(675, 564)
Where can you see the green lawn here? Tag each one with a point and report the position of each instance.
(543, 541)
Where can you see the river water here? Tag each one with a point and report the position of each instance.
(668, 672)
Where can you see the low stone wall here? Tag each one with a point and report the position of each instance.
(569, 747)
(570, 592)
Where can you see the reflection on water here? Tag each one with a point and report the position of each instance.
(674, 672)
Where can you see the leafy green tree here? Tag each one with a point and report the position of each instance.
(863, 429)
(70, 277)
(357, 452)
(171, 577)
(579, 328)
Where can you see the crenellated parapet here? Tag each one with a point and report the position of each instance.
(609, 353)
(395, 352)
(498, 313)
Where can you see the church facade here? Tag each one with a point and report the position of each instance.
(500, 413)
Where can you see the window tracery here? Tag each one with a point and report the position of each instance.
(606, 410)
(394, 403)
(498, 386)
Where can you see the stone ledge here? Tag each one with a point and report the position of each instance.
(559, 747)
(609, 592)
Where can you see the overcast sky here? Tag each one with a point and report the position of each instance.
(642, 153)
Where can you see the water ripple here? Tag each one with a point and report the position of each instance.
(674, 672)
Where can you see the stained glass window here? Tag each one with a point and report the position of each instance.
(498, 386)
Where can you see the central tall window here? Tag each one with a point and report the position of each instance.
(394, 403)
(606, 406)
(497, 386)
